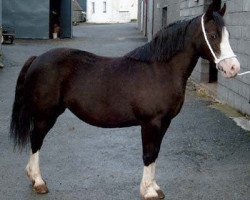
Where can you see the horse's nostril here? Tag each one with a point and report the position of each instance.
(232, 68)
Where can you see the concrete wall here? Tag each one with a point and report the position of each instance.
(150, 19)
(191, 8)
(173, 13)
(142, 17)
(237, 91)
(30, 17)
(155, 15)
(117, 11)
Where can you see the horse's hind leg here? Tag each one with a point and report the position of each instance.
(34, 174)
(152, 135)
(41, 128)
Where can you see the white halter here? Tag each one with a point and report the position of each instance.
(216, 60)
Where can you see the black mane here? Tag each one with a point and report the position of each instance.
(168, 41)
(165, 44)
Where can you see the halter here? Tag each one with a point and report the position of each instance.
(217, 60)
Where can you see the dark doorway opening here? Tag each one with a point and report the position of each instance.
(165, 16)
(55, 6)
(61, 18)
(145, 17)
(213, 73)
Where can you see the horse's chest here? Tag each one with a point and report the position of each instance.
(166, 101)
(173, 102)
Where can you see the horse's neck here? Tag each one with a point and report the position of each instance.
(187, 59)
(183, 64)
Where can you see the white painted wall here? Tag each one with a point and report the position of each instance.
(117, 11)
(134, 9)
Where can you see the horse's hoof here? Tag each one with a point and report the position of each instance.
(151, 198)
(161, 195)
(41, 189)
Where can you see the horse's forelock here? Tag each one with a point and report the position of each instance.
(218, 19)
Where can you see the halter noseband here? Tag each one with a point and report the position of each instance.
(216, 60)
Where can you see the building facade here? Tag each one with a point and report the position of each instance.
(83, 4)
(153, 15)
(36, 19)
(111, 11)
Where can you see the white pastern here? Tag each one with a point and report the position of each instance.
(33, 170)
(148, 186)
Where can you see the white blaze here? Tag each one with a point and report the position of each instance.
(225, 52)
(225, 47)
(227, 61)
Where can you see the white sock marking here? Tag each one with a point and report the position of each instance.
(148, 184)
(33, 169)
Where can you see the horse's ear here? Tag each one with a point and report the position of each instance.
(216, 5)
(223, 10)
(213, 7)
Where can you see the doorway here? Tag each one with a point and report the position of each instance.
(60, 18)
(213, 73)
(164, 16)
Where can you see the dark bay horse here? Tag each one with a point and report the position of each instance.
(145, 87)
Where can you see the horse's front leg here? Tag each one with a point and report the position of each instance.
(152, 135)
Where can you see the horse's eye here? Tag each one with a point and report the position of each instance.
(214, 36)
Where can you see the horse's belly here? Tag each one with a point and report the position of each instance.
(102, 116)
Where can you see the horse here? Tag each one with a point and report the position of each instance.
(145, 87)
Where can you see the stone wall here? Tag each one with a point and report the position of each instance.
(237, 91)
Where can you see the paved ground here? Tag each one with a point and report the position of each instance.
(203, 156)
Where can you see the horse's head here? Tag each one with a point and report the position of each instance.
(215, 45)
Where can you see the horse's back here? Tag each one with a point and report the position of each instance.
(107, 92)
(87, 84)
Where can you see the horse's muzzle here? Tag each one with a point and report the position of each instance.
(230, 67)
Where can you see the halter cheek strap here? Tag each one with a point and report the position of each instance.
(216, 60)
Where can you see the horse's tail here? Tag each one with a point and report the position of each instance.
(21, 120)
